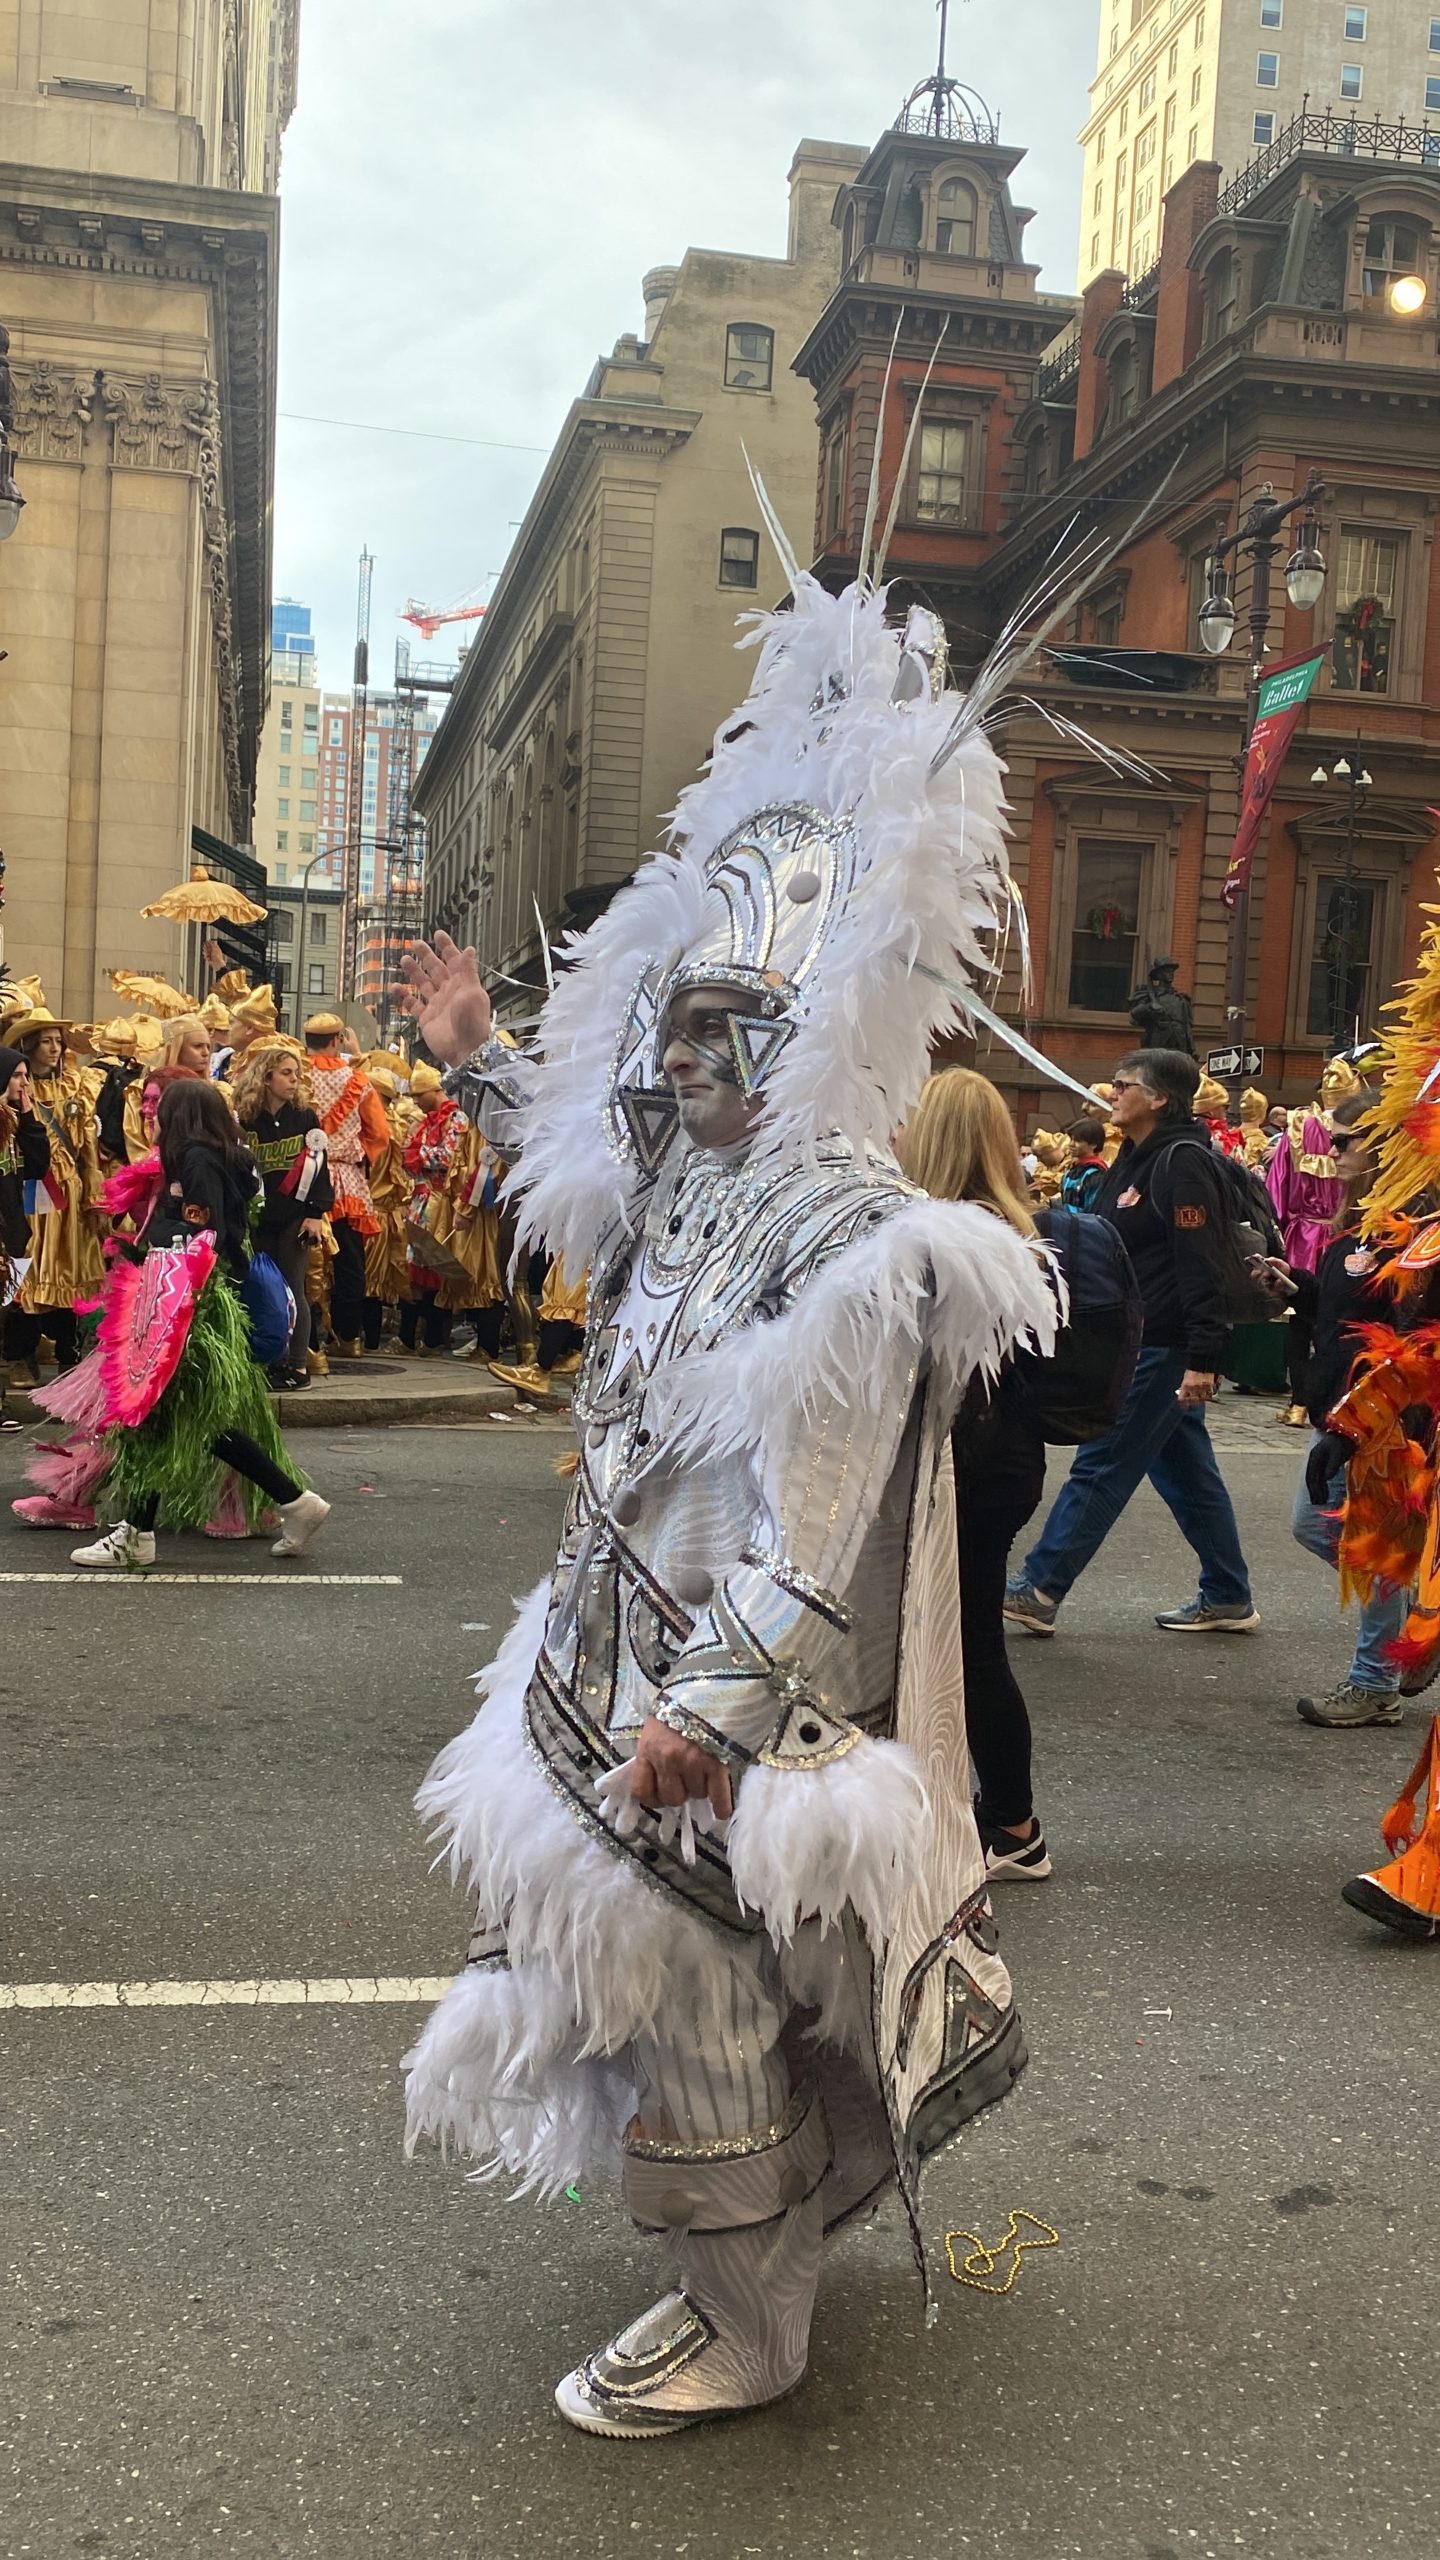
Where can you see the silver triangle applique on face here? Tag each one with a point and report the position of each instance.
(755, 1044)
(652, 1120)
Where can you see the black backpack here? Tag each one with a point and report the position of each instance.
(1076, 1391)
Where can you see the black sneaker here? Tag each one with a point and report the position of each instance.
(1006, 1854)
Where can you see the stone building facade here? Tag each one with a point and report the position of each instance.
(1263, 345)
(139, 151)
(607, 655)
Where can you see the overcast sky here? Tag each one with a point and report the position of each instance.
(472, 190)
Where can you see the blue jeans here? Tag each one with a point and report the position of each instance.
(1318, 1531)
(1168, 1442)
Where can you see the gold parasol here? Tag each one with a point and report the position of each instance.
(201, 900)
(154, 995)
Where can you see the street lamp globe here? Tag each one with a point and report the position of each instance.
(1217, 623)
(1319, 777)
(1407, 296)
(1305, 578)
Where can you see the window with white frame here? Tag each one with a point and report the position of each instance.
(942, 476)
(1357, 25)
(1147, 91)
(1367, 587)
(1352, 81)
(1272, 13)
(1435, 35)
(1267, 71)
(1264, 127)
(1432, 94)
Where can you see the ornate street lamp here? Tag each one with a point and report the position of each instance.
(1257, 539)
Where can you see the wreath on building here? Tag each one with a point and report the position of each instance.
(1363, 631)
(1110, 924)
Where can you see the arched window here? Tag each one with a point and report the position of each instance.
(749, 356)
(955, 219)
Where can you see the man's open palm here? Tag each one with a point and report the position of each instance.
(445, 997)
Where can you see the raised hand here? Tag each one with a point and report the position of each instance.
(443, 995)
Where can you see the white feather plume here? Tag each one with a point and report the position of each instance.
(952, 1281)
(818, 726)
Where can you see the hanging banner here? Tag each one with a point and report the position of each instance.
(1284, 692)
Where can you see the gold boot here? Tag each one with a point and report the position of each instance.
(526, 1377)
(316, 1365)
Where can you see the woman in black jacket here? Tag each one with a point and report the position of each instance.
(1352, 1286)
(170, 1442)
(285, 1138)
(24, 1157)
(960, 1145)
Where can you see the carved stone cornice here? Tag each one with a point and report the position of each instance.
(52, 410)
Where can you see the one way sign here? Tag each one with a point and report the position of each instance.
(1235, 1062)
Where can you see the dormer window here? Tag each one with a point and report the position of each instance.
(1222, 296)
(955, 219)
(1392, 248)
(749, 357)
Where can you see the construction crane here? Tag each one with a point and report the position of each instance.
(427, 618)
(355, 782)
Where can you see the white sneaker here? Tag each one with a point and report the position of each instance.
(299, 1521)
(125, 1550)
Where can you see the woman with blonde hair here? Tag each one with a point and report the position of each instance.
(960, 1144)
(280, 1126)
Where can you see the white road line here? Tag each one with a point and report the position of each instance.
(322, 1991)
(273, 1581)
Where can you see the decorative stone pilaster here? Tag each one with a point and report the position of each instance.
(53, 407)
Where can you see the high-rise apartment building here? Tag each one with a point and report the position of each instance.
(1186, 80)
(139, 152)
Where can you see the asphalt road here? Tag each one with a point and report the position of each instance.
(237, 2320)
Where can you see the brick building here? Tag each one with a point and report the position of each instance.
(1263, 344)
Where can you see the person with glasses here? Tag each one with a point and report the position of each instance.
(1165, 1196)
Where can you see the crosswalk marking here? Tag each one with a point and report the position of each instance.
(266, 1991)
(273, 1581)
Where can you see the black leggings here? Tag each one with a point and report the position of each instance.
(23, 1331)
(236, 1449)
(994, 1507)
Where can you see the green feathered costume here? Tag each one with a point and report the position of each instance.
(168, 1458)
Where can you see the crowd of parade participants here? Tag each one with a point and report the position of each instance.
(199, 1213)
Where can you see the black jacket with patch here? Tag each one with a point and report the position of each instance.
(1166, 1201)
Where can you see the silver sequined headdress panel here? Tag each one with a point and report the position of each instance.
(822, 862)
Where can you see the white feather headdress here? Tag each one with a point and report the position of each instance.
(845, 855)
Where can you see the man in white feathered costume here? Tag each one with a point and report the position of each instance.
(715, 1809)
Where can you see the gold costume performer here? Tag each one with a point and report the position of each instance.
(66, 1264)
